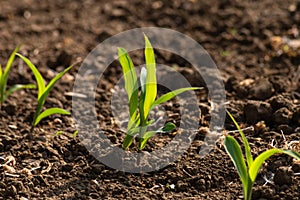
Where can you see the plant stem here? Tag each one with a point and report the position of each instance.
(30, 132)
(248, 190)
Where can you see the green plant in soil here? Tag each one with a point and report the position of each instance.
(43, 91)
(4, 93)
(141, 105)
(248, 168)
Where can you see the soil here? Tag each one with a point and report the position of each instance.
(253, 43)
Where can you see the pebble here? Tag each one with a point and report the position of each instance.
(280, 101)
(182, 185)
(296, 167)
(262, 90)
(64, 59)
(296, 116)
(10, 109)
(286, 129)
(103, 36)
(283, 176)
(256, 111)
(282, 116)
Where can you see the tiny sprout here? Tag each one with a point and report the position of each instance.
(43, 91)
(248, 168)
(4, 76)
(140, 106)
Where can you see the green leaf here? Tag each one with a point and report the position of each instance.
(75, 133)
(133, 131)
(4, 74)
(151, 85)
(172, 94)
(293, 154)
(127, 141)
(249, 157)
(133, 122)
(254, 169)
(145, 138)
(50, 111)
(37, 75)
(143, 116)
(234, 151)
(168, 127)
(130, 78)
(2, 87)
(1, 73)
(19, 87)
(42, 98)
(10, 61)
(58, 133)
(130, 136)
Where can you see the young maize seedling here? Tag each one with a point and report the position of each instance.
(140, 106)
(249, 168)
(43, 91)
(4, 76)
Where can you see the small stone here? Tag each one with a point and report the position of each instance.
(283, 176)
(296, 116)
(280, 101)
(103, 36)
(57, 121)
(11, 191)
(26, 172)
(282, 116)
(64, 59)
(262, 90)
(296, 167)
(8, 169)
(182, 186)
(286, 129)
(246, 82)
(10, 109)
(201, 185)
(193, 77)
(172, 186)
(260, 127)
(256, 111)
(10, 160)
(67, 167)
(12, 126)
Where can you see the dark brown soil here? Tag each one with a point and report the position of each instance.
(254, 44)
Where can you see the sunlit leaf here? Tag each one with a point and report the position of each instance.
(234, 151)
(130, 78)
(19, 87)
(36, 73)
(151, 85)
(127, 141)
(0, 72)
(257, 163)
(249, 157)
(10, 61)
(168, 127)
(50, 111)
(145, 138)
(166, 97)
(4, 74)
